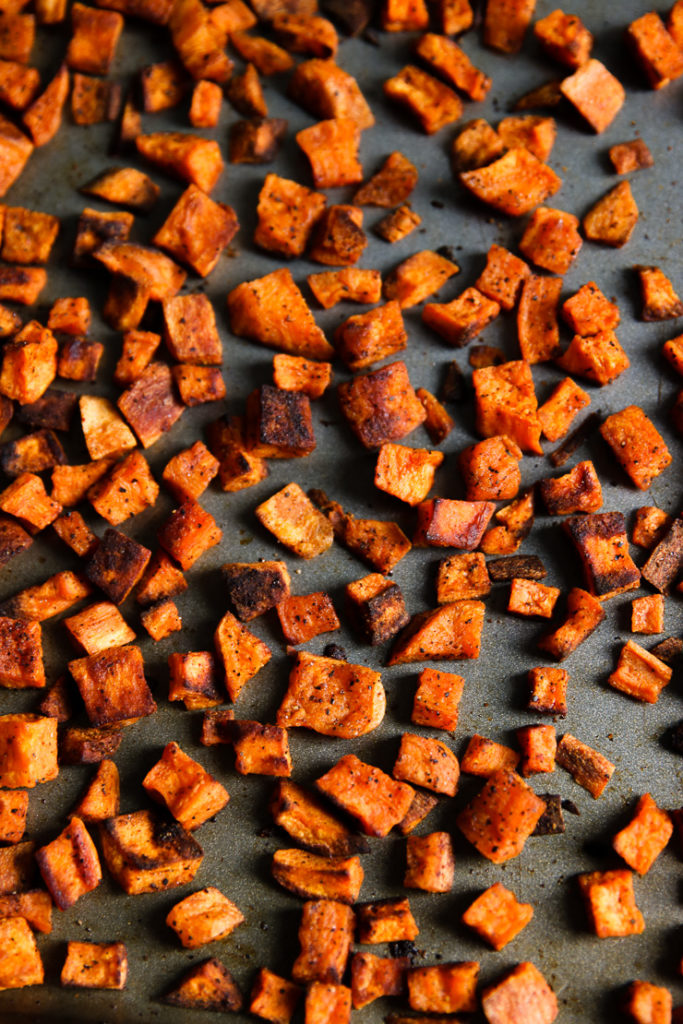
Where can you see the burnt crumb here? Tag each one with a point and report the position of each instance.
(447, 251)
(668, 650)
(453, 386)
(265, 833)
(438, 205)
(335, 651)
(672, 739)
(570, 806)
(551, 822)
(403, 948)
(528, 567)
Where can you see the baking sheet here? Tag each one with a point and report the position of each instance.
(585, 972)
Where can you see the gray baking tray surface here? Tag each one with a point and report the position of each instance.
(586, 973)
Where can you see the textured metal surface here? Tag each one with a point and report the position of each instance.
(585, 972)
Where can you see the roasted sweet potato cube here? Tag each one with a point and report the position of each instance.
(197, 385)
(160, 580)
(27, 500)
(514, 183)
(32, 453)
(503, 277)
(548, 691)
(72, 529)
(483, 757)
(21, 962)
(427, 762)
(500, 819)
(196, 232)
(306, 33)
(368, 337)
(325, 935)
(337, 238)
(28, 235)
(551, 239)
(245, 91)
(655, 50)
(278, 424)
(538, 744)
(183, 155)
(332, 697)
(527, 597)
(381, 406)
(613, 218)
(112, 685)
(521, 993)
(94, 100)
(117, 564)
(42, 118)
(599, 358)
(217, 726)
(205, 108)
(96, 228)
(13, 808)
(558, 412)
(421, 805)
(374, 976)
(89, 745)
(529, 131)
(198, 42)
(34, 905)
(630, 156)
(57, 594)
(313, 877)
(106, 435)
(446, 988)
(292, 373)
(241, 653)
(672, 350)
(576, 491)
(305, 616)
(391, 185)
(21, 654)
(430, 864)
(273, 311)
(475, 146)
(238, 467)
(304, 817)
(644, 1001)
(161, 619)
(368, 794)
(266, 56)
(294, 520)
(506, 22)
(69, 316)
(455, 16)
(17, 33)
(447, 522)
(398, 225)
(95, 35)
(194, 679)
(589, 311)
(439, 423)
(273, 998)
(449, 633)
(209, 986)
(15, 149)
(29, 363)
(377, 607)
(28, 745)
(406, 473)
(332, 150)
(149, 404)
(381, 544)
(584, 614)
(432, 103)
(254, 587)
(326, 1002)
(286, 214)
(190, 331)
(125, 186)
(650, 525)
(639, 673)
(564, 38)
(189, 792)
(602, 545)
(497, 916)
(490, 469)
(102, 797)
(21, 284)
(506, 404)
(188, 532)
(53, 411)
(128, 489)
(327, 91)
(404, 15)
(660, 301)
(95, 965)
(462, 319)
(418, 277)
(17, 868)
(589, 769)
(595, 93)
(664, 563)
(610, 903)
(386, 921)
(145, 853)
(444, 56)
(350, 284)
(256, 142)
(261, 749)
(645, 836)
(137, 352)
(189, 473)
(70, 865)
(436, 699)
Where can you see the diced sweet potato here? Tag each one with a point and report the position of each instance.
(188, 532)
(529, 131)
(558, 412)
(613, 218)
(475, 146)
(286, 214)
(13, 808)
(101, 965)
(21, 962)
(655, 50)
(304, 817)
(398, 225)
(637, 445)
(381, 544)
(197, 230)
(650, 525)
(94, 39)
(70, 865)
(27, 500)
(198, 384)
(325, 935)
(261, 749)
(514, 183)
(450, 633)
(198, 42)
(462, 577)
(647, 614)
(28, 744)
(664, 563)
(497, 916)
(193, 679)
(306, 616)
(113, 686)
(423, 761)
(313, 877)
(241, 653)
(204, 916)
(602, 545)
(595, 93)
(327, 91)
(255, 587)
(376, 607)
(590, 769)
(462, 319)
(430, 864)
(273, 998)
(503, 277)
(506, 22)
(266, 56)
(381, 406)
(420, 806)
(327, 1003)
(293, 373)
(272, 310)
(145, 853)
(584, 614)
(189, 157)
(368, 337)
(160, 580)
(523, 994)
(209, 986)
(444, 56)
(386, 921)
(501, 818)
(189, 473)
(34, 905)
(537, 327)
(515, 522)
(125, 491)
(28, 235)
(71, 528)
(484, 757)
(94, 100)
(630, 156)
(538, 745)
(447, 988)
(332, 150)
(599, 358)
(294, 520)
(29, 363)
(551, 239)
(373, 976)
(588, 311)
(391, 185)
(350, 284)
(354, 704)
(368, 794)
(116, 565)
(279, 424)
(432, 103)
(527, 597)
(506, 404)
(564, 38)
(660, 301)
(102, 797)
(639, 673)
(418, 277)
(404, 15)
(446, 522)
(406, 473)
(548, 691)
(645, 836)
(576, 491)
(189, 792)
(99, 627)
(490, 469)
(644, 1002)
(245, 91)
(610, 903)
(337, 238)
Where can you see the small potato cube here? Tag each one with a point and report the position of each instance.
(647, 614)
(256, 142)
(70, 865)
(126, 491)
(162, 619)
(595, 92)
(368, 794)
(28, 750)
(523, 992)
(588, 767)
(267, 57)
(29, 363)
(430, 862)
(510, 809)
(497, 916)
(274, 998)
(325, 935)
(398, 225)
(292, 373)
(445, 522)
(338, 239)
(406, 473)
(241, 653)
(149, 404)
(332, 697)
(294, 520)
(548, 691)
(462, 577)
(503, 277)
(527, 597)
(427, 762)
(190, 331)
(381, 406)
(601, 542)
(209, 986)
(145, 853)
(584, 614)
(99, 627)
(439, 422)
(483, 757)
(279, 424)
(194, 680)
(644, 1001)
(538, 745)
(418, 277)
(95, 965)
(645, 836)
(374, 976)
(183, 155)
(558, 412)
(94, 40)
(564, 38)
(13, 808)
(116, 565)
(189, 473)
(391, 185)
(204, 916)
(506, 404)
(21, 963)
(188, 533)
(630, 156)
(313, 877)
(28, 235)
(599, 358)
(106, 435)
(332, 150)
(307, 820)
(113, 687)
(369, 337)
(198, 384)
(490, 469)
(305, 616)
(610, 903)
(21, 654)
(197, 230)
(636, 444)
(261, 749)
(612, 220)
(188, 791)
(437, 698)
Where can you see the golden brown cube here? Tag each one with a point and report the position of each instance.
(204, 916)
(70, 865)
(189, 792)
(112, 685)
(145, 853)
(95, 965)
(296, 522)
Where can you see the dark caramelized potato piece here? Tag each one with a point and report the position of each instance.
(305, 818)
(602, 544)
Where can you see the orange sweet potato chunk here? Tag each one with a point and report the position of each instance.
(204, 916)
(381, 406)
(655, 50)
(506, 22)
(445, 522)
(647, 614)
(432, 103)
(70, 865)
(596, 93)
(598, 357)
(21, 961)
(444, 56)
(241, 653)
(613, 218)
(423, 761)
(325, 935)
(349, 284)
(610, 903)
(551, 239)
(522, 994)
(447, 988)
(367, 338)
(558, 412)
(637, 445)
(327, 91)
(450, 633)
(462, 319)
(514, 183)
(490, 469)
(639, 673)
(503, 277)
(502, 817)
(644, 1002)
(293, 519)
(183, 155)
(189, 792)
(28, 750)
(273, 998)
(374, 976)
(483, 757)
(418, 277)
(564, 38)
(332, 149)
(305, 616)
(332, 697)
(391, 185)
(641, 841)
(406, 473)
(506, 404)
(497, 916)
(529, 131)
(286, 214)
(368, 794)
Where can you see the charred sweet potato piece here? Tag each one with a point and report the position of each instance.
(377, 607)
(209, 986)
(446, 988)
(483, 757)
(113, 686)
(197, 230)
(189, 792)
(655, 50)
(645, 836)
(306, 819)
(279, 424)
(13, 808)
(368, 794)
(266, 56)
(313, 877)
(304, 33)
(514, 183)
(576, 491)
(96, 229)
(241, 653)
(21, 961)
(558, 412)
(588, 768)
(446, 522)
(564, 38)
(418, 277)
(137, 352)
(53, 411)
(462, 319)
(256, 142)
(601, 542)
(238, 468)
(145, 853)
(449, 633)
(79, 359)
(423, 761)
(21, 284)
(500, 819)
(432, 103)
(90, 745)
(610, 903)
(35, 906)
(117, 564)
(286, 214)
(327, 91)
(506, 404)
(17, 867)
(71, 528)
(595, 93)
(445, 57)
(32, 453)
(639, 673)
(193, 679)
(420, 806)
(548, 691)
(521, 993)
(325, 936)
(95, 965)
(439, 422)
(354, 704)
(391, 185)
(245, 91)
(217, 726)
(338, 239)
(273, 311)
(506, 22)
(381, 544)
(664, 564)
(497, 916)
(529, 131)
(145, 266)
(70, 865)
(149, 404)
